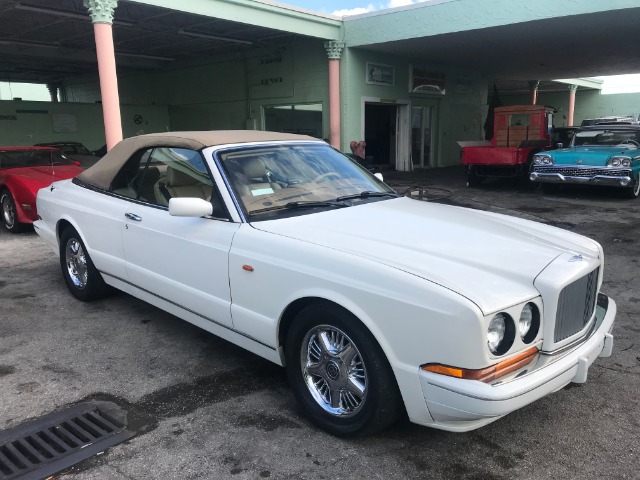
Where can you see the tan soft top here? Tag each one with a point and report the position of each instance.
(101, 174)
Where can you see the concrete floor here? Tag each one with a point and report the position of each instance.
(204, 408)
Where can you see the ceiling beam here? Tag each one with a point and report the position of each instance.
(260, 13)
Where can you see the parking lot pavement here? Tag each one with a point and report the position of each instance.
(203, 408)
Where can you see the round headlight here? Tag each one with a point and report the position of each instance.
(529, 323)
(615, 162)
(626, 162)
(500, 334)
(495, 334)
(526, 316)
(546, 160)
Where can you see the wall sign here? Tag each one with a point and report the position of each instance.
(424, 80)
(380, 74)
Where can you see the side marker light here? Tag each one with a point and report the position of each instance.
(488, 374)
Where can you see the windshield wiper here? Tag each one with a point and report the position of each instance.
(367, 194)
(303, 204)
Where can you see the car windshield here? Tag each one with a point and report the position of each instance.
(300, 177)
(607, 137)
(32, 158)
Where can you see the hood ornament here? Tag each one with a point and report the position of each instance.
(576, 258)
(578, 161)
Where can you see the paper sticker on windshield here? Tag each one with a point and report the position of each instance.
(261, 191)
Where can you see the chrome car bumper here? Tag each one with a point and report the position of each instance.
(462, 405)
(582, 175)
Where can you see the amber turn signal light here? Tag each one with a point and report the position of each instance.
(488, 374)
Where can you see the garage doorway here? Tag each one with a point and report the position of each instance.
(380, 129)
(387, 134)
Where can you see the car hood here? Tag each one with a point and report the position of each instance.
(490, 259)
(590, 155)
(39, 177)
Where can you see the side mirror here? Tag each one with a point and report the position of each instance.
(379, 176)
(559, 145)
(189, 207)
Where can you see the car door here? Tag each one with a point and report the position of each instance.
(183, 260)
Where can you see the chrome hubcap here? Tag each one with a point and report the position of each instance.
(8, 211)
(333, 371)
(76, 263)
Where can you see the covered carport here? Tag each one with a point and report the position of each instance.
(54, 43)
(208, 64)
(520, 47)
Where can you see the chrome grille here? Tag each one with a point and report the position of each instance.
(583, 172)
(576, 304)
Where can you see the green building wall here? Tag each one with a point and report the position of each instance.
(24, 123)
(228, 93)
(458, 114)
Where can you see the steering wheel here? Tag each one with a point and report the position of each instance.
(630, 142)
(326, 176)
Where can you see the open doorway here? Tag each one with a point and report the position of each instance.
(380, 130)
(421, 140)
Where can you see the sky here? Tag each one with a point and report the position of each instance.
(348, 7)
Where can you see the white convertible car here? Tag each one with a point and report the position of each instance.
(376, 304)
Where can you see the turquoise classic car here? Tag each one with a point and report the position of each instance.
(606, 155)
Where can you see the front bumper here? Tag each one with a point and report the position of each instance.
(462, 405)
(582, 175)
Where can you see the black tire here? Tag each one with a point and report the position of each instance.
(473, 180)
(376, 406)
(79, 272)
(634, 190)
(9, 214)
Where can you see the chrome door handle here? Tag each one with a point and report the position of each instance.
(133, 216)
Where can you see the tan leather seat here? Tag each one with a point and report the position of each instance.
(257, 180)
(179, 184)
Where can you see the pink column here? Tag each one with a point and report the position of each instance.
(334, 103)
(334, 50)
(572, 104)
(108, 83)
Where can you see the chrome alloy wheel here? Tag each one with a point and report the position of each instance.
(76, 261)
(8, 211)
(333, 371)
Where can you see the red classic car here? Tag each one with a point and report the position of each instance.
(24, 171)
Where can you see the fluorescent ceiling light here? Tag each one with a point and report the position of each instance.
(189, 33)
(61, 13)
(143, 55)
(29, 43)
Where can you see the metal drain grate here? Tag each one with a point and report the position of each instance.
(51, 443)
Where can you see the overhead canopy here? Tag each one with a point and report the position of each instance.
(539, 40)
(46, 42)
